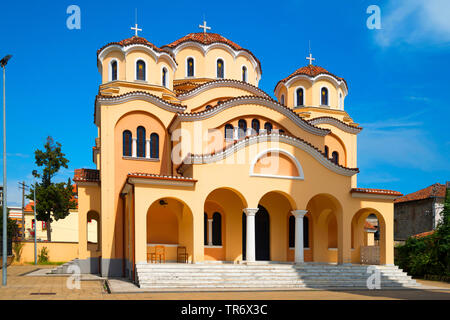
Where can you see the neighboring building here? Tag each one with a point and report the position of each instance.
(418, 212)
(63, 230)
(191, 153)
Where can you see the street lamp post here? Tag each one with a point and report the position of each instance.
(3, 63)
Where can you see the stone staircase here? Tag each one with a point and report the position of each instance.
(267, 275)
(64, 268)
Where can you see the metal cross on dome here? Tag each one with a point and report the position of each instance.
(136, 29)
(310, 58)
(204, 27)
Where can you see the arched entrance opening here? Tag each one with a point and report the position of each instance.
(93, 231)
(222, 214)
(325, 212)
(170, 225)
(368, 237)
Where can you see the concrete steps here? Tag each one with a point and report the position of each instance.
(266, 275)
(64, 268)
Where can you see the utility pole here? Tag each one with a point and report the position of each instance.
(23, 186)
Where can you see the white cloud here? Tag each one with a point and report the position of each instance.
(414, 22)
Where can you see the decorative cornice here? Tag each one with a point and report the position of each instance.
(135, 95)
(248, 141)
(337, 123)
(223, 83)
(245, 100)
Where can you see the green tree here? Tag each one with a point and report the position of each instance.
(53, 200)
(12, 229)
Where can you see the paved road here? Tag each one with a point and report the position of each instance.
(22, 287)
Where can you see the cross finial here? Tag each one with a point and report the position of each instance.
(310, 58)
(136, 29)
(204, 27)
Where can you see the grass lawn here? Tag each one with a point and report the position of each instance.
(48, 263)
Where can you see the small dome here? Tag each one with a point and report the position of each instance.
(134, 40)
(311, 71)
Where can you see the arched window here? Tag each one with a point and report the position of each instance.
(220, 68)
(205, 224)
(341, 105)
(141, 142)
(164, 77)
(335, 157)
(324, 96)
(327, 152)
(127, 143)
(255, 126)
(299, 97)
(281, 131)
(268, 127)
(208, 107)
(140, 70)
(190, 67)
(242, 124)
(244, 73)
(292, 232)
(114, 70)
(217, 229)
(229, 131)
(154, 146)
(282, 99)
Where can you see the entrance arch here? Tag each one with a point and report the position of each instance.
(170, 224)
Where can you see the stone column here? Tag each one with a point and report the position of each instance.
(250, 247)
(299, 214)
(210, 221)
(134, 148)
(147, 149)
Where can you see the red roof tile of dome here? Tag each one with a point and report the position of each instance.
(207, 39)
(134, 40)
(311, 71)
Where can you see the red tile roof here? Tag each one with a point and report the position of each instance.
(376, 191)
(435, 190)
(86, 175)
(135, 40)
(310, 71)
(209, 38)
(423, 234)
(368, 225)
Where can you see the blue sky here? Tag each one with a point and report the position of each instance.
(398, 75)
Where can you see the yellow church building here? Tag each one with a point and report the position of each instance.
(191, 154)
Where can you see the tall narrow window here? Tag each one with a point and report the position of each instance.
(255, 126)
(268, 127)
(141, 142)
(164, 77)
(242, 124)
(154, 146)
(341, 105)
(140, 70)
(114, 70)
(229, 131)
(190, 67)
(244, 73)
(327, 152)
(217, 229)
(220, 68)
(324, 96)
(282, 99)
(127, 143)
(299, 97)
(335, 157)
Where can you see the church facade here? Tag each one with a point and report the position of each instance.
(191, 153)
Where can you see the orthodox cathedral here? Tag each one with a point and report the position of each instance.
(192, 157)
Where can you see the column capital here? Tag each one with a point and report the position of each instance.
(210, 220)
(250, 211)
(299, 213)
